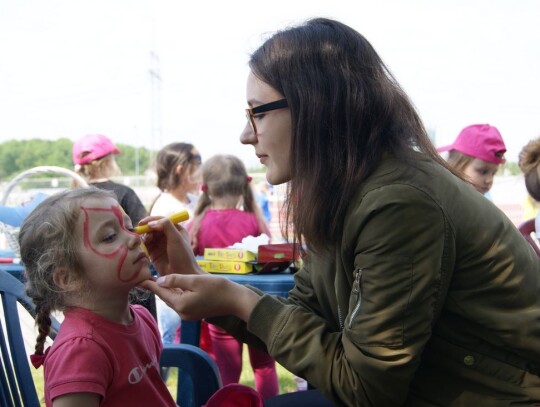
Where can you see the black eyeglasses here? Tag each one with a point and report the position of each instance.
(267, 107)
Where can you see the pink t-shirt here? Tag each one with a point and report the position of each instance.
(224, 227)
(119, 362)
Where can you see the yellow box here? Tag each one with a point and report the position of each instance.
(229, 255)
(229, 267)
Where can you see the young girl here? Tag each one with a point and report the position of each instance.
(477, 152)
(176, 167)
(226, 213)
(83, 258)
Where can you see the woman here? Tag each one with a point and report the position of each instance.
(415, 290)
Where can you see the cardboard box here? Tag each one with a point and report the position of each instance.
(230, 267)
(229, 255)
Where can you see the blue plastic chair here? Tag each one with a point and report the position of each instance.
(198, 375)
(197, 372)
(16, 382)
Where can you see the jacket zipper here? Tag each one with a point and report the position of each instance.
(356, 289)
(340, 318)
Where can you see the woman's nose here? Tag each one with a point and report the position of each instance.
(248, 135)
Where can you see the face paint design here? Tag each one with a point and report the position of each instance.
(116, 250)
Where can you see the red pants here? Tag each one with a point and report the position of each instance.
(227, 352)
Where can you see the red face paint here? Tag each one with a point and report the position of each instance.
(118, 254)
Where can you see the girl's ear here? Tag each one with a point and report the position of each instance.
(63, 279)
(178, 170)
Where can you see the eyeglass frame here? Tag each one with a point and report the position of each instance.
(267, 107)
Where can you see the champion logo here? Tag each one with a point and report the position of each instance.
(138, 372)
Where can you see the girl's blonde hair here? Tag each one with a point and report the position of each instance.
(47, 240)
(225, 176)
(459, 161)
(104, 167)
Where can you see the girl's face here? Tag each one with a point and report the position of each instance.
(481, 174)
(272, 142)
(110, 252)
(192, 175)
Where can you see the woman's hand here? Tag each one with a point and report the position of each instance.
(196, 297)
(169, 247)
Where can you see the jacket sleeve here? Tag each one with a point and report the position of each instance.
(393, 245)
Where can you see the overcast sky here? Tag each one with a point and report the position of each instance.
(73, 67)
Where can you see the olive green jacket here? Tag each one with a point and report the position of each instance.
(432, 297)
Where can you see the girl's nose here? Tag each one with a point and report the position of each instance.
(134, 240)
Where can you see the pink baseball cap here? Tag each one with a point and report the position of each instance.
(91, 147)
(479, 141)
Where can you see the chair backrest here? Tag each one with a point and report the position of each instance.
(198, 374)
(16, 382)
(526, 228)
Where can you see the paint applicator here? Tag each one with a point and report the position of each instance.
(175, 218)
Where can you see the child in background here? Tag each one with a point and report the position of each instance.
(529, 163)
(93, 156)
(177, 167)
(226, 213)
(477, 152)
(82, 257)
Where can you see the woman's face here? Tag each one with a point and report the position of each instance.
(481, 174)
(272, 142)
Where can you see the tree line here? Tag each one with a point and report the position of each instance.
(19, 155)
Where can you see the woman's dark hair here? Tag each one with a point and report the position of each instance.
(347, 110)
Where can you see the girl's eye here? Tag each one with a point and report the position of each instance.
(109, 237)
(258, 116)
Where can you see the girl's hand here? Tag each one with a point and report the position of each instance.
(196, 297)
(169, 247)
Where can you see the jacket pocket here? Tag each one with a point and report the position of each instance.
(379, 300)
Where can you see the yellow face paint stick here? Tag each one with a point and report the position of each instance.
(175, 218)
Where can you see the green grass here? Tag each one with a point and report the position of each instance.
(287, 383)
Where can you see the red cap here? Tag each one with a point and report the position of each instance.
(479, 141)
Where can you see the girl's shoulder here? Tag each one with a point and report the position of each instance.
(166, 205)
(230, 213)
